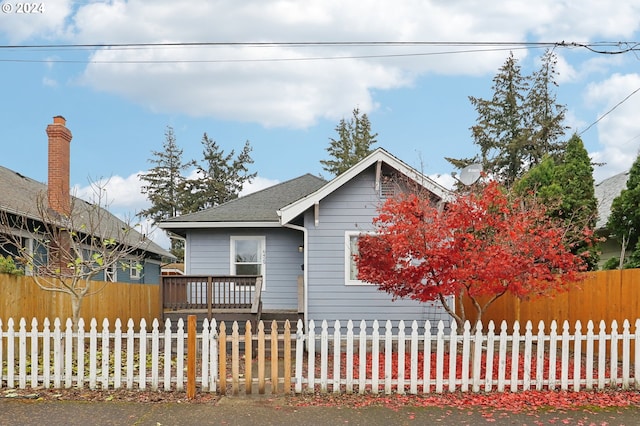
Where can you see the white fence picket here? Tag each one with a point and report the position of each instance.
(588, 373)
(22, 353)
(105, 355)
(401, 358)
(375, 358)
(478, 360)
(349, 360)
(155, 349)
(324, 356)
(34, 352)
(577, 356)
(130, 354)
(10, 354)
(117, 355)
(362, 361)
(57, 354)
(337, 339)
(93, 354)
(426, 362)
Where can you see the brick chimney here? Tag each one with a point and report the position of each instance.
(59, 164)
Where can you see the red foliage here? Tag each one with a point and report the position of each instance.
(482, 244)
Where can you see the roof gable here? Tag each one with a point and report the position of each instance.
(293, 210)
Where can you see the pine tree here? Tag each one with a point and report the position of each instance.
(165, 180)
(624, 220)
(165, 185)
(520, 124)
(220, 177)
(545, 115)
(353, 144)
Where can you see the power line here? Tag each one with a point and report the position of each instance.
(311, 58)
(610, 111)
(280, 44)
(476, 47)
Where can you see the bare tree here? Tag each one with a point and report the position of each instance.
(65, 253)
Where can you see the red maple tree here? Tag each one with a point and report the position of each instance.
(481, 245)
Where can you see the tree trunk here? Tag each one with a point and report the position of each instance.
(76, 305)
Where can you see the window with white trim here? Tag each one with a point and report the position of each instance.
(111, 273)
(351, 250)
(135, 271)
(248, 256)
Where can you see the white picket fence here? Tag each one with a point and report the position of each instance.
(348, 359)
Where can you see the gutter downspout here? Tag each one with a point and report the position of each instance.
(305, 239)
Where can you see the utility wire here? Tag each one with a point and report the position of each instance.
(610, 111)
(597, 47)
(317, 58)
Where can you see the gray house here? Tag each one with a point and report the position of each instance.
(297, 239)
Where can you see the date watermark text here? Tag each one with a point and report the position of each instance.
(21, 8)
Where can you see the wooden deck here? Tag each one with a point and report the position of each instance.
(226, 298)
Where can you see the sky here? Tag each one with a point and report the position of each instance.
(281, 74)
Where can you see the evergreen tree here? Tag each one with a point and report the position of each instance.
(546, 116)
(564, 183)
(624, 220)
(165, 181)
(220, 177)
(353, 144)
(520, 124)
(165, 185)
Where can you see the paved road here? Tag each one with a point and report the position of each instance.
(253, 411)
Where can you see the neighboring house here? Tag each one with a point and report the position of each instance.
(20, 195)
(605, 192)
(299, 236)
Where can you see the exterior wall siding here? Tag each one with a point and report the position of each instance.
(209, 251)
(352, 208)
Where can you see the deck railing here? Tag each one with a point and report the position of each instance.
(221, 292)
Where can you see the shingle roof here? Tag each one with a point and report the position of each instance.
(261, 206)
(605, 193)
(19, 195)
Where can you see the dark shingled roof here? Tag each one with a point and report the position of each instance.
(605, 192)
(19, 195)
(259, 206)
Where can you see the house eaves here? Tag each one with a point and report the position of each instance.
(290, 212)
(205, 225)
(256, 210)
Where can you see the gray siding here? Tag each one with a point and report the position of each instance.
(208, 253)
(352, 208)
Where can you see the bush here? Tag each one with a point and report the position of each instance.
(8, 266)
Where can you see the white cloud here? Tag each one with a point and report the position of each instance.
(257, 184)
(619, 130)
(44, 21)
(118, 194)
(220, 82)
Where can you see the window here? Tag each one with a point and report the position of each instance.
(351, 249)
(247, 256)
(111, 273)
(135, 270)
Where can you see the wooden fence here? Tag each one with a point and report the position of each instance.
(20, 297)
(603, 295)
(376, 359)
